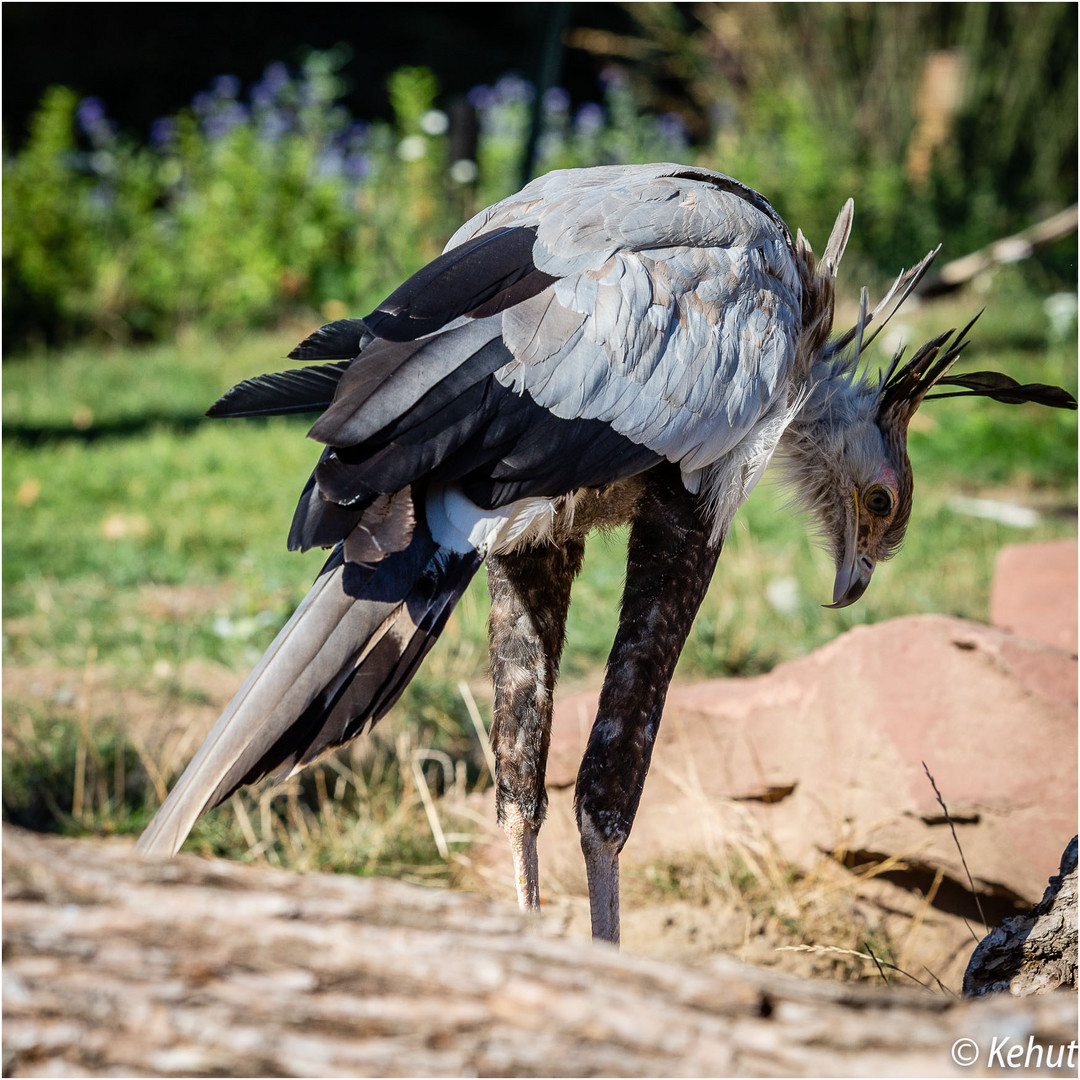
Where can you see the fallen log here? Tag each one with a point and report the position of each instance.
(116, 966)
(1032, 953)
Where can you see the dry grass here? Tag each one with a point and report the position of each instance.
(827, 921)
(97, 756)
(83, 752)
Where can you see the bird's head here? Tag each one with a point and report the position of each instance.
(846, 450)
(847, 455)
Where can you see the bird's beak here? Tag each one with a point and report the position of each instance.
(855, 571)
(851, 582)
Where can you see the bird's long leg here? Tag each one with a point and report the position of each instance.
(670, 563)
(530, 595)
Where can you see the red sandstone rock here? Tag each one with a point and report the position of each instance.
(1034, 592)
(825, 754)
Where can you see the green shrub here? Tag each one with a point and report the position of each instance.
(241, 212)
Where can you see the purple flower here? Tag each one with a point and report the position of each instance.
(216, 126)
(329, 163)
(481, 97)
(262, 97)
(202, 103)
(90, 114)
(355, 134)
(670, 126)
(237, 112)
(612, 77)
(162, 132)
(556, 100)
(590, 118)
(226, 86)
(357, 165)
(222, 120)
(514, 90)
(276, 76)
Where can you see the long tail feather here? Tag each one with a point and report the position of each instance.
(339, 663)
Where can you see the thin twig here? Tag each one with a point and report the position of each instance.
(956, 841)
(881, 970)
(868, 955)
(478, 724)
(944, 988)
(429, 809)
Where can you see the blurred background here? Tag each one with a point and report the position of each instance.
(190, 189)
(203, 164)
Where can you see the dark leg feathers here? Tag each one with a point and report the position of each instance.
(669, 566)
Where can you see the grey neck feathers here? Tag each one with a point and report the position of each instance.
(834, 432)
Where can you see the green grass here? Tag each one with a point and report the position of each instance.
(114, 487)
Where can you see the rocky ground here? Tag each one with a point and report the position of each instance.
(835, 763)
(793, 821)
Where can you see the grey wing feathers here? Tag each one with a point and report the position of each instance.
(676, 311)
(337, 666)
(641, 313)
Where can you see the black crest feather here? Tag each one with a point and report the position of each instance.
(907, 386)
(1004, 388)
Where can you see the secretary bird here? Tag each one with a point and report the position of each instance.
(622, 344)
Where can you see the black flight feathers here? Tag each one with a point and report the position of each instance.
(341, 340)
(303, 390)
(479, 278)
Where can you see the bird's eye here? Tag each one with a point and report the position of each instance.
(878, 500)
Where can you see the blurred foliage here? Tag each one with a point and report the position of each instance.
(239, 212)
(948, 123)
(952, 123)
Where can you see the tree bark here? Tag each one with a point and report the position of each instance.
(1033, 953)
(116, 966)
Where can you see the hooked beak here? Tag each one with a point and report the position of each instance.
(854, 573)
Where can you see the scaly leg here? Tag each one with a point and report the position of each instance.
(602, 869)
(669, 566)
(530, 596)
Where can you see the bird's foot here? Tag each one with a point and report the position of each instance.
(522, 836)
(602, 867)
